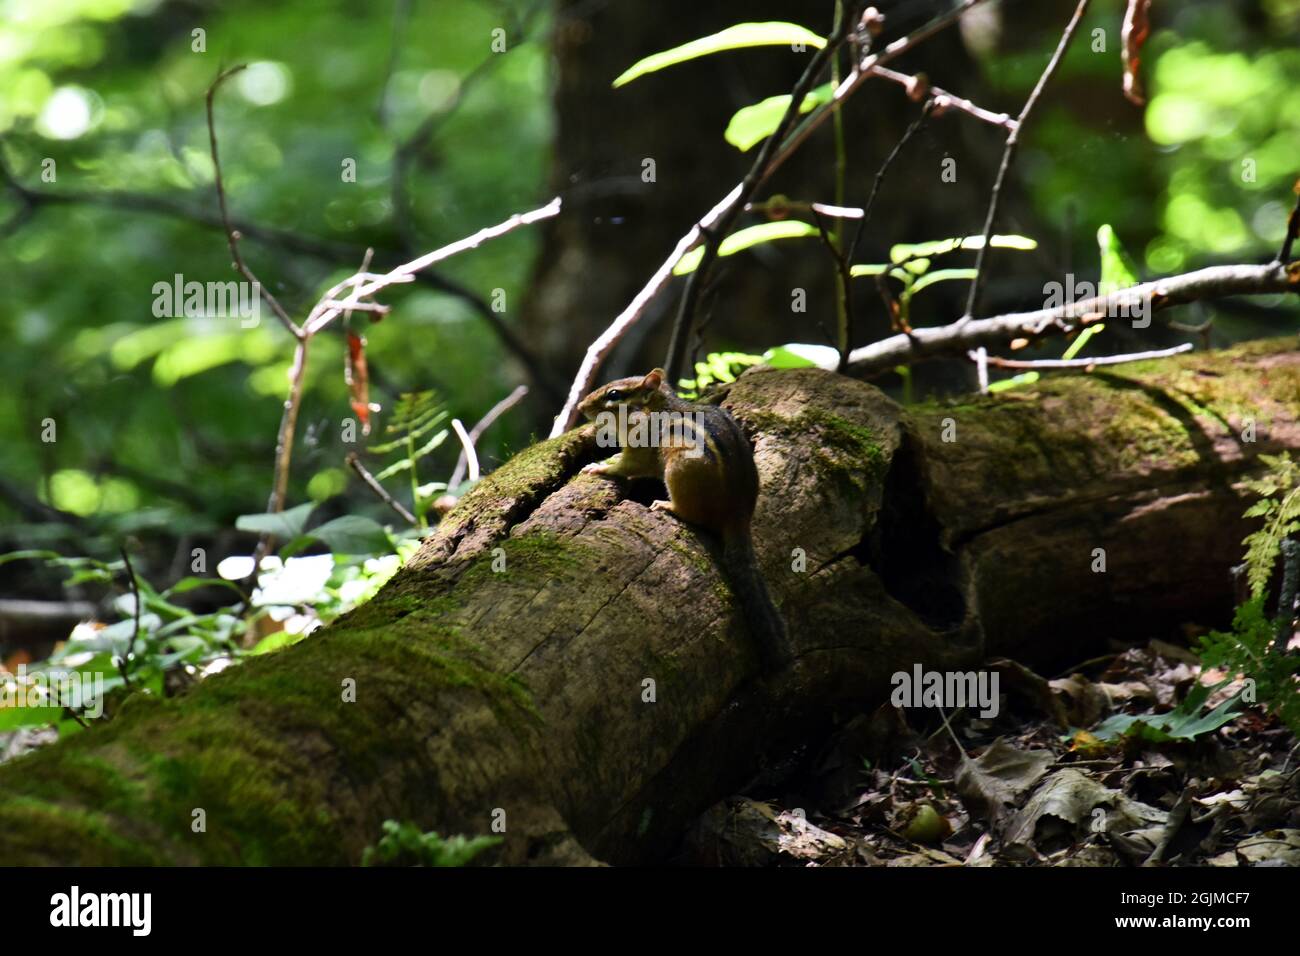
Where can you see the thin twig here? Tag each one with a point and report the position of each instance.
(844, 278)
(1173, 823)
(475, 433)
(1008, 154)
(943, 100)
(951, 733)
(908, 133)
(1089, 362)
(232, 234)
(350, 307)
(466, 448)
(284, 437)
(980, 357)
(370, 482)
(892, 307)
(135, 633)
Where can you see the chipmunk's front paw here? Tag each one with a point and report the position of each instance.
(662, 506)
(595, 468)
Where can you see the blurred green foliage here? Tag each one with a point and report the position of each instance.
(170, 423)
(1207, 174)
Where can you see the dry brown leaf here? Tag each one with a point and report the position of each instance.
(1137, 26)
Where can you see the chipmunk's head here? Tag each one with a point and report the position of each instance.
(637, 392)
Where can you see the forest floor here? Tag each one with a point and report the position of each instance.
(1176, 771)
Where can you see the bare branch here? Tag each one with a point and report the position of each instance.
(1008, 155)
(961, 336)
(368, 479)
(466, 448)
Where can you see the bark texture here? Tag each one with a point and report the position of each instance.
(507, 673)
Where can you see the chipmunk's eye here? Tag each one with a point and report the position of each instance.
(614, 394)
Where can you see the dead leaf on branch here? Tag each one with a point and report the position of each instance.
(1137, 26)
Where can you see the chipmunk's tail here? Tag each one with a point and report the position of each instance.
(764, 620)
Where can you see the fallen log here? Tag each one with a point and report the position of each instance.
(560, 661)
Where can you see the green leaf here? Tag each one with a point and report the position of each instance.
(1184, 722)
(1077, 345)
(295, 546)
(353, 534)
(1025, 378)
(194, 583)
(941, 275)
(1117, 268)
(273, 642)
(797, 355)
(914, 250)
(752, 124)
(281, 524)
(873, 269)
(29, 555)
(744, 238)
(1188, 726)
(737, 37)
(11, 718)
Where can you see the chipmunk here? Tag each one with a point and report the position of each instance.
(704, 459)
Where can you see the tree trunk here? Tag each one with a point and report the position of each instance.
(561, 658)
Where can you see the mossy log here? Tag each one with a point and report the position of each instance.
(562, 659)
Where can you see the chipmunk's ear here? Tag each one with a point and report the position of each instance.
(654, 378)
